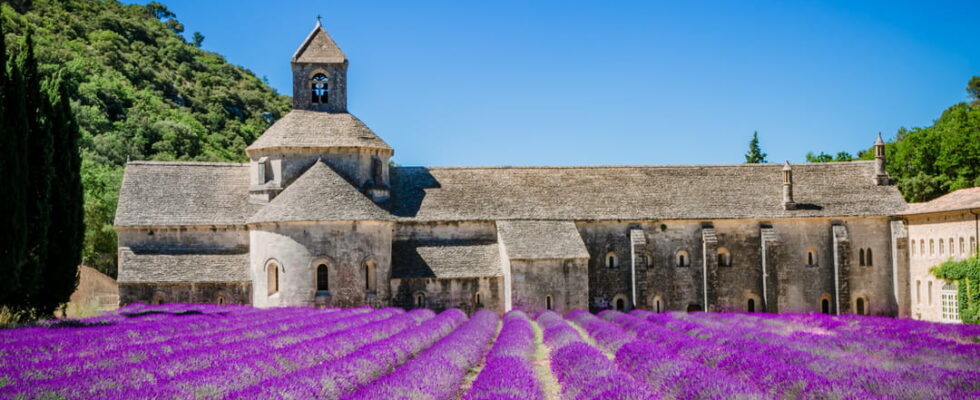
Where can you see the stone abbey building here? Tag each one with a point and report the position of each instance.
(319, 217)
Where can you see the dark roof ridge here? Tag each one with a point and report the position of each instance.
(189, 163)
(464, 167)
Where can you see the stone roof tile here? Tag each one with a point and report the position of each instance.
(319, 48)
(305, 128)
(320, 195)
(963, 199)
(199, 266)
(531, 240)
(183, 193)
(445, 259)
(838, 189)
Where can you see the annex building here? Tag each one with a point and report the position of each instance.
(319, 217)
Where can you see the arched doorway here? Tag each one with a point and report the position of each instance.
(620, 305)
(693, 307)
(751, 305)
(825, 306)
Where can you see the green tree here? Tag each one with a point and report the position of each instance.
(755, 154)
(966, 274)
(37, 112)
(140, 91)
(973, 89)
(13, 219)
(198, 39)
(66, 234)
(824, 157)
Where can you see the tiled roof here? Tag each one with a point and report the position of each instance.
(838, 189)
(963, 199)
(319, 48)
(183, 193)
(445, 259)
(530, 240)
(139, 266)
(320, 195)
(305, 128)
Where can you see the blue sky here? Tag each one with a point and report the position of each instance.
(617, 82)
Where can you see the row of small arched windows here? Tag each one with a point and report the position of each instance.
(949, 244)
(681, 259)
(369, 273)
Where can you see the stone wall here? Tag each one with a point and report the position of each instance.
(565, 281)
(793, 284)
(302, 89)
(924, 234)
(442, 294)
(354, 164)
(298, 248)
(158, 293)
(184, 237)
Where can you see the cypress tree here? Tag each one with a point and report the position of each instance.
(13, 164)
(67, 232)
(37, 111)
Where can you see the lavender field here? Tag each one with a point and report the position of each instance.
(182, 351)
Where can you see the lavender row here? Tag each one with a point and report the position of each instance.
(332, 379)
(843, 361)
(583, 371)
(437, 372)
(236, 373)
(116, 378)
(509, 372)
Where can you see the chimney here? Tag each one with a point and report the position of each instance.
(881, 176)
(788, 203)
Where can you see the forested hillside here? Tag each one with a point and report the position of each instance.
(139, 91)
(931, 161)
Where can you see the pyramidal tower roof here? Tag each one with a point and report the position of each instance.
(320, 195)
(319, 48)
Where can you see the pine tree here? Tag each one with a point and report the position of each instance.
(13, 219)
(39, 172)
(67, 233)
(755, 154)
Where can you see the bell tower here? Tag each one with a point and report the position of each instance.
(319, 74)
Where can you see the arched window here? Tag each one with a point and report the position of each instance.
(932, 247)
(158, 299)
(860, 306)
(868, 260)
(620, 305)
(548, 303)
(370, 277)
(420, 300)
(952, 249)
(811, 257)
(929, 292)
(322, 278)
(272, 276)
(478, 300)
(912, 248)
(825, 303)
(320, 89)
(918, 292)
(658, 304)
(219, 301)
(724, 257)
(962, 247)
(922, 248)
(862, 257)
(941, 247)
(611, 260)
(973, 245)
(682, 258)
(750, 307)
(948, 301)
